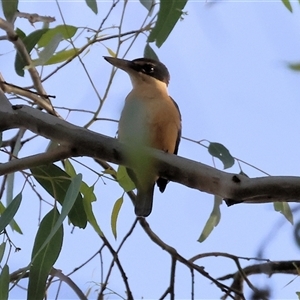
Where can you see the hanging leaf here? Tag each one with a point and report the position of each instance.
(88, 198)
(213, 219)
(111, 52)
(62, 56)
(284, 208)
(110, 172)
(124, 180)
(148, 4)
(21, 34)
(13, 224)
(48, 51)
(222, 153)
(149, 52)
(170, 11)
(70, 198)
(2, 250)
(294, 66)
(66, 32)
(29, 41)
(92, 4)
(4, 283)
(9, 213)
(46, 249)
(288, 5)
(56, 182)
(114, 216)
(9, 9)
(48, 242)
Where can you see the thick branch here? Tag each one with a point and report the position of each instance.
(83, 142)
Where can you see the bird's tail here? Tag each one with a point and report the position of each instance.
(144, 201)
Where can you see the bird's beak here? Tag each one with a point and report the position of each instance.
(125, 65)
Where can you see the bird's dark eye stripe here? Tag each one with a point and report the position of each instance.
(147, 68)
(152, 68)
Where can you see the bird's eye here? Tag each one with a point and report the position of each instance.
(148, 69)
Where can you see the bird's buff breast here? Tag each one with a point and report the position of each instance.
(151, 121)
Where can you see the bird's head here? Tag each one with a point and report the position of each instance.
(142, 70)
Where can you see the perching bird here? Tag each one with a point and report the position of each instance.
(150, 117)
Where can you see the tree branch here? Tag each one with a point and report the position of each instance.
(234, 188)
(69, 282)
(175, 255)
(269, 268)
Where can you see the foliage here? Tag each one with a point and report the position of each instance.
(48, 50)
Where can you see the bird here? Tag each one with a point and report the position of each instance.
(150, 118)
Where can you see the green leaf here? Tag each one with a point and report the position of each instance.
(9, 213)
(92, 4)
(222, 153)
(169, 13)
(66, 32)
(298, 294)
(48, 51)
(124, 180)
(21, 34)
(110, 172)
(13, 224)
(71, 195)
(46, 249)
(2, 250)
(287, 4)
(149, 52)
(213, 219)
(148, 4)
(110, 52)
(294, 66)
(114, 216)
(29, 41)
(88, 198)
(284, 208)
(9, 9)
(61, 56)
(4, 283)
(56, 182)
(69, 168)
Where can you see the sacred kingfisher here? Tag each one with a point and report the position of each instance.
(151, 118)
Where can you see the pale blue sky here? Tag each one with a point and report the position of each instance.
(229, 77)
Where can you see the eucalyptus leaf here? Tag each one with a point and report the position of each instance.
(284, 208)
(29, 41)
(170, 11)
(46, 249)
(48, 50)
(92, 4)
(288, 5)
(149, 52)
(9, 213)
(56, 182)
(148, 4)
(222, 153)
(124, 180)
(2, 250)
(9, 9)
(65, 31)
(62, 56)
(213, 219)
(294, 66)
(114, 216)
(4, 283)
